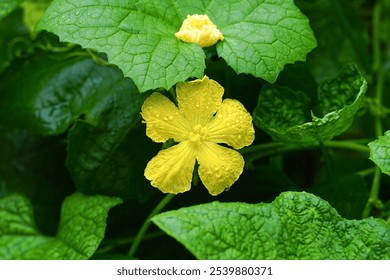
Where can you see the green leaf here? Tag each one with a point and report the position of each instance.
(262, 36)
(380, 152)
(81, 229)
(110, 160)
(7, 6)
(294, 226)
(67, 88)
(285, 115)
(136, 36)
(109, 157)
(139, 37)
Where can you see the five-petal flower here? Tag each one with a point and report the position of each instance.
(200, 121)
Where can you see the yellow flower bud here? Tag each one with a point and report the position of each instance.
(199, 29)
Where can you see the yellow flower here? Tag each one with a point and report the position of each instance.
(200, 121)
(199, 29)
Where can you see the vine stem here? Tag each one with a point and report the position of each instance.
(138, 238)
(260, 147)
(269, 149)
(347, 145)
(378, 70)
(111, 244)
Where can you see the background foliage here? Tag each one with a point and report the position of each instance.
(73, 148)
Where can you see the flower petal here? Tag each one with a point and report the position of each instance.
(171, 169)
(199, 29)
(199, 100)
(163, 119)
(231, 125)
(219, 167)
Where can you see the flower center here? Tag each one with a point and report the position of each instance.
(198, 134)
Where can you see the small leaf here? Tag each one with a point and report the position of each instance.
(294, 226)
(139, 37)
(67, 88)
(380, 152)
(284, 113)
(81, 229)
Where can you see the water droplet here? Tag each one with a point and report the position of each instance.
(197, 104)
(170, 118)
(239, 136)
(165, 119)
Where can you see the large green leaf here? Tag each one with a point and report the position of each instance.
(285, 115)
(81, 228)
(138, 36)
(380, 152)
(261, 36)
(296, 225)
(46, 93)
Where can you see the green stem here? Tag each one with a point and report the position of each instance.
(256, 152)
(111, 244)
(378, 71)
(260, 147)
(348, 145)
(270, 152)
(374, 193)
(138, 238)
(366, 172)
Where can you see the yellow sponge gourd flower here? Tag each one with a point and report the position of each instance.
(200, 121)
